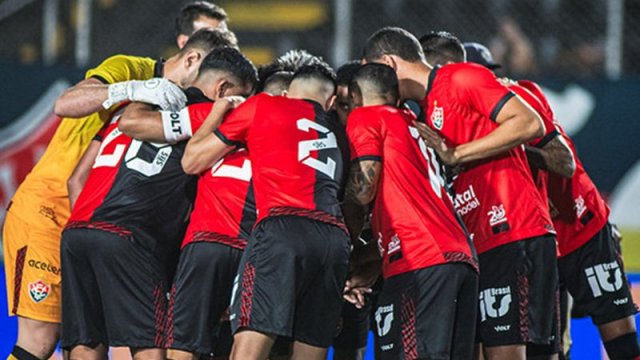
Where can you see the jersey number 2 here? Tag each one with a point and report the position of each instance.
(305, 147)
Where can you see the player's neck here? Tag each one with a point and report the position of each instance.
(416, 81)
(208, 91)
(306, 95)
(376, 101)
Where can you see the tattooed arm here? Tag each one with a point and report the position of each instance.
(555, 156)
(360, 192)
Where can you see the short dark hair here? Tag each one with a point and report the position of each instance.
(319, 71)
(209, 39)
(280, 80)
(190, 12)
(376, 78)
(442, 46)
(230, 60)
(345, 73)
(393, 41)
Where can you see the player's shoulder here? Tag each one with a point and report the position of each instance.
(466, 74)
(123, 67)
(531, 86)
(375, 114)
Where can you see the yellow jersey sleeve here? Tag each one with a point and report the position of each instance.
(120, 68)
(44, 191)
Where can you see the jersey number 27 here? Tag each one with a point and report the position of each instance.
(305, 147)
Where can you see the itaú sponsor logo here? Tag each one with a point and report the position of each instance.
(466, 201)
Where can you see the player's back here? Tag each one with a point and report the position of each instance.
(45, 187)
(140, 187)
(224, 210)
(496, 197)
(413, 215)
(295, 157)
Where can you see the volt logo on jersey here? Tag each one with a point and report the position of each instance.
(39, 290)
(384, 318)
(605, 277)
(494, 302)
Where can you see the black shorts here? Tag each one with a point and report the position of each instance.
(291, 279)
(594, 276)
(428, 313)
(200, 295)
(353, 327)
(114, 291)
(519, 294)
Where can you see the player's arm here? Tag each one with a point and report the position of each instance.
(80, 174)
(140, 121)
(361, 189)
(553, 155)
(85, 98)
(205, 148)
(517, 124)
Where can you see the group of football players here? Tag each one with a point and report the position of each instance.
(184, 200)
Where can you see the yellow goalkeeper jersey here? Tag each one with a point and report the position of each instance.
(42, 200)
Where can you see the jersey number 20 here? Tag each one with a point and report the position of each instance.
(133, 162)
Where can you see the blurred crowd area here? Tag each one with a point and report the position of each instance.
(564, 38)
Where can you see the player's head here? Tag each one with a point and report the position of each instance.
(480, 54)
(399, 49)
(278, 83)
(374, 84)
(343, 78)
(198, 15)
(314, 82)
(276, 76)
(294, 59)
(226, 72)
(391, 43)
(441, 48)
(182, 68)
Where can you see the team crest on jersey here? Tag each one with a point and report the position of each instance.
(437, 116)
(39, 290)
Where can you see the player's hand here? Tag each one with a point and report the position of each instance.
(356, 296)
(227, 103)
(435, 141)
(157, 91)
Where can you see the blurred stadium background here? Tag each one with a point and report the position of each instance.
(586, 53)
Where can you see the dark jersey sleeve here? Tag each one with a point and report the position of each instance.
(365, 137)
(478, 87)
(235, 128)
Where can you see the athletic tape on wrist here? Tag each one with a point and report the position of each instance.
(117, 94)
(176, 125)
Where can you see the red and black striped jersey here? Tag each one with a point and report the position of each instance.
(413, 216)
(139, 188)
(578, 210)
(225, 209)
(539, 177)
(496, 197)
(297, 165)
